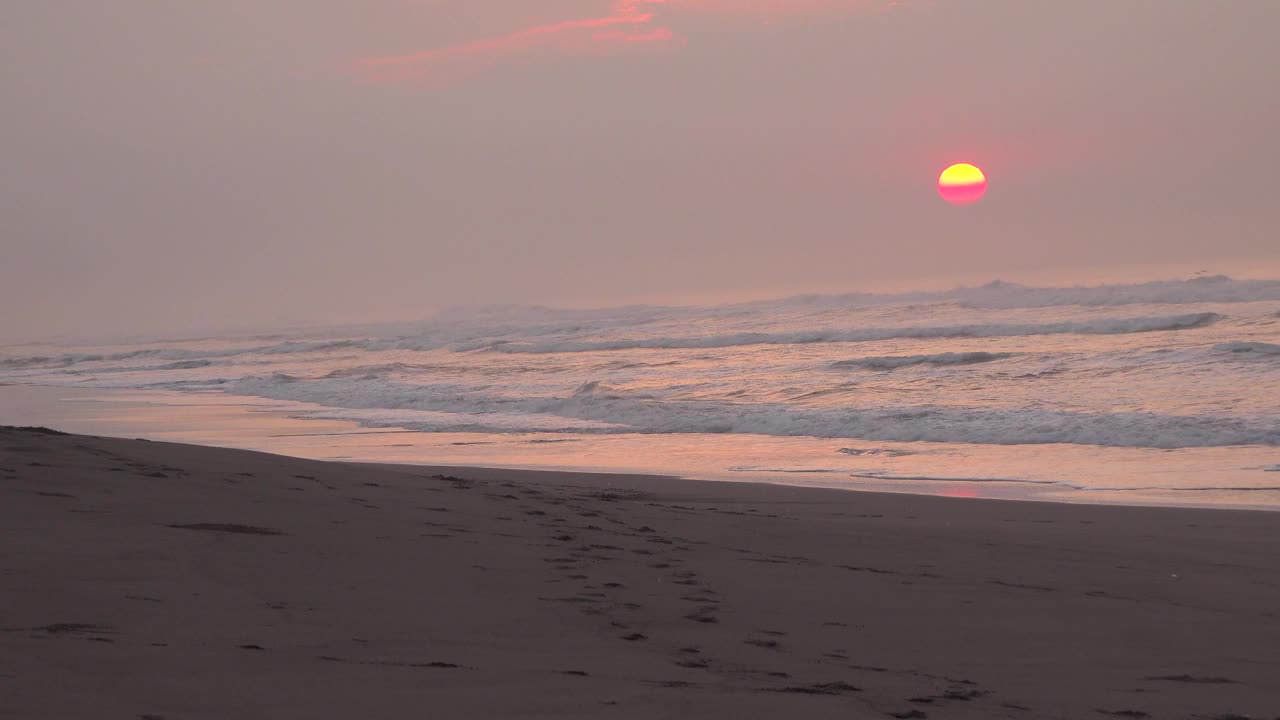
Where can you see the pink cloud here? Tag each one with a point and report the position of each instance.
(628, 24)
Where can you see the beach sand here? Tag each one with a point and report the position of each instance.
(155, 580)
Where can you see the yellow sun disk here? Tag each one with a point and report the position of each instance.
(961, 174)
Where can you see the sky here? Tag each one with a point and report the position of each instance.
(240, 163)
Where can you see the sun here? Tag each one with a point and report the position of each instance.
(962, 184)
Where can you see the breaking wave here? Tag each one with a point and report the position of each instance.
(1256, 349)
(624, 414)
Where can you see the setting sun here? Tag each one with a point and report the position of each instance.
(962, 184)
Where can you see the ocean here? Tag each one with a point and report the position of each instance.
(1155, 393)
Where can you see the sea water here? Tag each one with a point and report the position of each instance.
(1163, 392)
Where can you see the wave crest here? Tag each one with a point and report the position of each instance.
(892, 362)
(1249, 348)
(1110, 326)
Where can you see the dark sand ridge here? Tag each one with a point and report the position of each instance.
(155, 580)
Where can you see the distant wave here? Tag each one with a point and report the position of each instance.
(646, 415)
(179, 355)
(69, 359)
(513, 329)
(1205, 289)
(896, 361)
(997, 294)
(1111, 326)
(1006, 295)
(531, 329)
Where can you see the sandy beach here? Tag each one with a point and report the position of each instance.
(640, 360)
(155, 580)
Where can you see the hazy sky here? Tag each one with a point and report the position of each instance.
(177, 165)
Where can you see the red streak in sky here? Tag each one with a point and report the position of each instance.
(616, 29)
(630, 23)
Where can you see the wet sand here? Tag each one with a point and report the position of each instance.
(156, 580)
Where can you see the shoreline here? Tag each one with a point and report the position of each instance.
(181, 581)
(270, 426)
